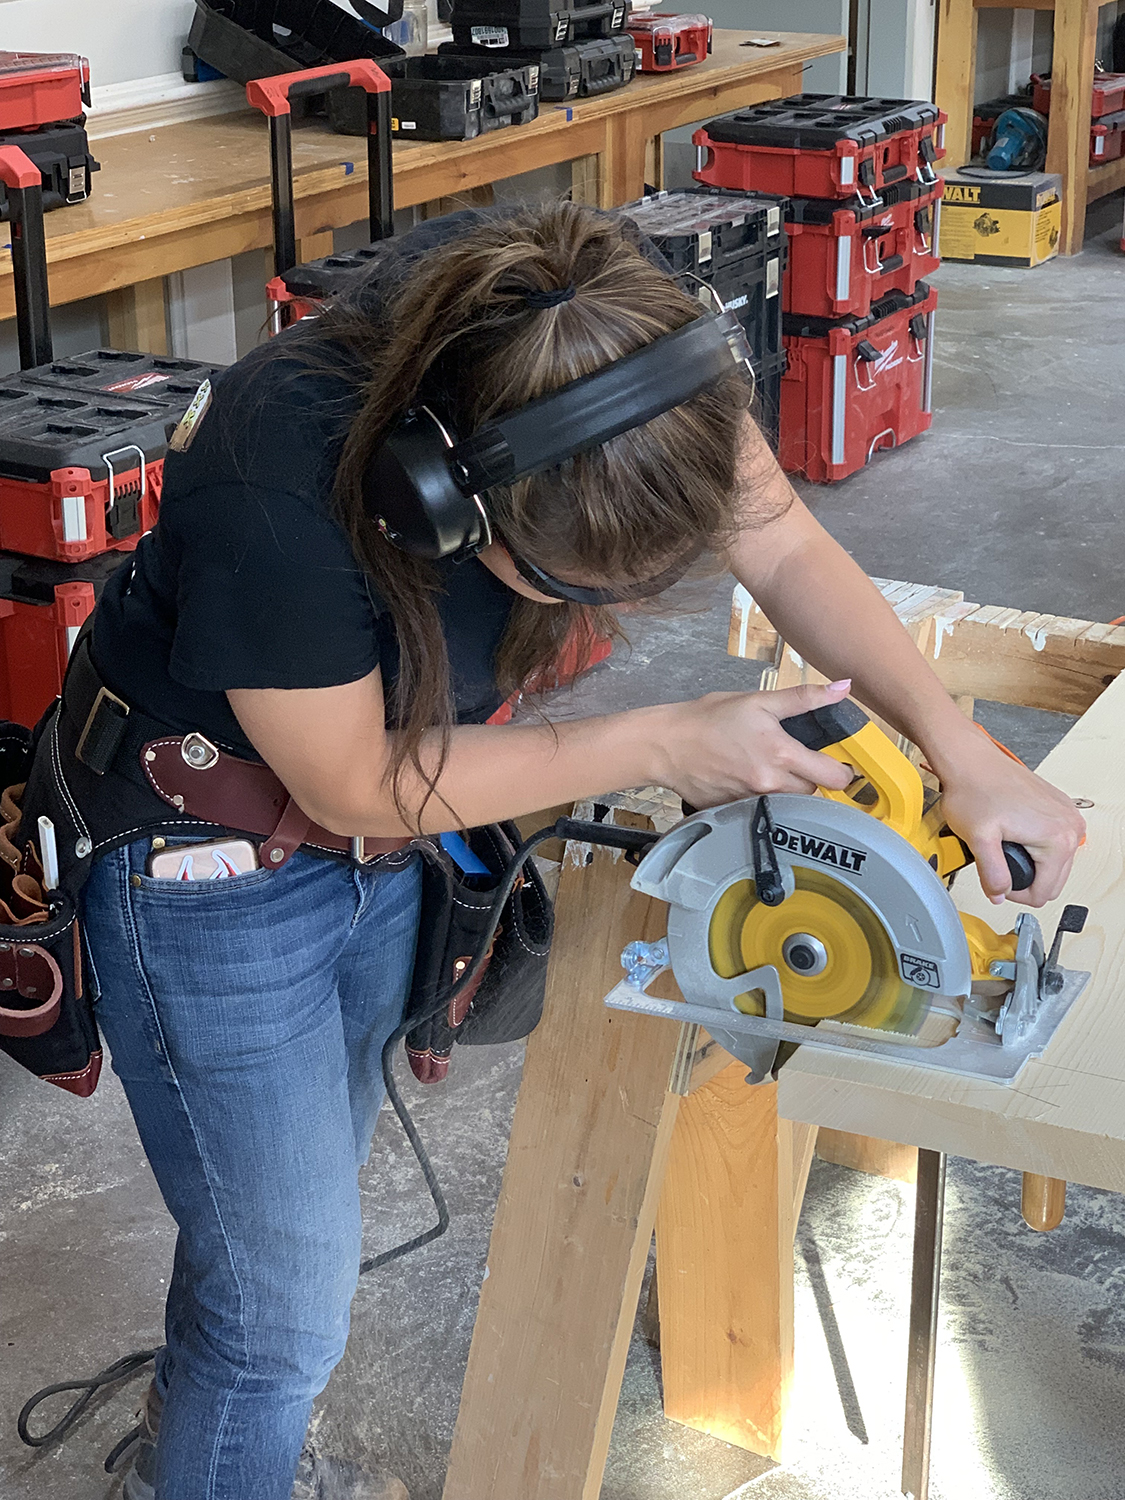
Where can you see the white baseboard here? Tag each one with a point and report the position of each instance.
(164, 99)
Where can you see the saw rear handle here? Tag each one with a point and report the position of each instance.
(847, 733)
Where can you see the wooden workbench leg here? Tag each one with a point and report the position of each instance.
(1068, 134)
(724, 1245)
(864, 1153)
(956, 71)
(137, 318)
(574, 1222)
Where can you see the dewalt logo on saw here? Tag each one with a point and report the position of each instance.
(824, 851)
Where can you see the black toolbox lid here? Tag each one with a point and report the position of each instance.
(33, 580)
(824, 210)
(159, 379)
(816, 122)
(43, 428)
(797, 325)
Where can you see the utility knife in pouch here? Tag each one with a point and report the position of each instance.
(507, 1000)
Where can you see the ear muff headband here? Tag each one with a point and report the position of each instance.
(423, 491)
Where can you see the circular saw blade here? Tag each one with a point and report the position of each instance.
(832, 953)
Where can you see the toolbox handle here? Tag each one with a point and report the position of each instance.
(24, 182)
(272, 96)
(820, 728)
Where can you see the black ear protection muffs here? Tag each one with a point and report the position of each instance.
(423, 487)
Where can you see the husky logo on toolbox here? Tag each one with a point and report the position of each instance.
(822, 850)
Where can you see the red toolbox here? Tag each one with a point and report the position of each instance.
(82, 440)
(665, 41)
(823, 146)
(1107, 138)
(1108, 98)
(843, 256)
(42, 88)
(43, 606)
(857, 385)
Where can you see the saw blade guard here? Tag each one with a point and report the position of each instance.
(866, 935)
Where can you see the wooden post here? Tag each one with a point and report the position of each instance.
(574, 1222)
(724, 1245)
(137, 319)
(1068, 134)
(956, 70)
(863, 1153)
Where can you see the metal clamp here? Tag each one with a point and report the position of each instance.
(107, 459)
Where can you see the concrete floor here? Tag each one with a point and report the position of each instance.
(1014, 497)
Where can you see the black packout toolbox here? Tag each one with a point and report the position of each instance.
(736, 244)
(576, 72)
(62, 153)
(535, 24)
(43, 606)
(248, 39)
(446, 98)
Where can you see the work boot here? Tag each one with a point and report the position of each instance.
(318, 1477)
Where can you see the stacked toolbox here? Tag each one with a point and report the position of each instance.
(41, 111)
(734, 243)
(82, 446)
(581, 47)
(1107, 113)
(863, 222)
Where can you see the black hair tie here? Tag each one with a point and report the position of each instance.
(553, 298)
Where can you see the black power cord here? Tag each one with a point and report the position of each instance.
(635, 842)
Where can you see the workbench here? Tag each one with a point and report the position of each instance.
(626, 1123)
(188, 194)
(1072, 78)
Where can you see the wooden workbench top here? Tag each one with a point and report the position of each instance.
(1065, 1115)
(199, 178)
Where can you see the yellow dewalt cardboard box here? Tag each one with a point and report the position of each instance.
(1001, 219)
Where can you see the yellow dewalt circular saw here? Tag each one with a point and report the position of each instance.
(827, 921)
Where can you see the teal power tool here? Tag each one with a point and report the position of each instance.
(1018, 142)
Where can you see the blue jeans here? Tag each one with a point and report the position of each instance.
(245, 1018)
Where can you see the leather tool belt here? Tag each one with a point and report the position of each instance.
(108, 773)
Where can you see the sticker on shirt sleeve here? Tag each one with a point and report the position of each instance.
(184, 435)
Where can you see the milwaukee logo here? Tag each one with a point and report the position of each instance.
(889, 359)
(824, 851)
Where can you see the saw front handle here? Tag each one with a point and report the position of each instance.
(843, 731)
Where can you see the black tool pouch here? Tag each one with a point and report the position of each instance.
(46, 1017)
(506, 1002)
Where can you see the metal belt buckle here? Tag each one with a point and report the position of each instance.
(358, 851)
(102, 746)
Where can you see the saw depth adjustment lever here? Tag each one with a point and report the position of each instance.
(846, 733)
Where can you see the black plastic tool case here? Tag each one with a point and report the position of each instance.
(703, 229)
(540, 24)
(446, 98)
(815, 122)
(247, 39)
(62, 154)
(150, 379)
(578, 71)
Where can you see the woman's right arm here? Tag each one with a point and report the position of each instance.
(330, 749)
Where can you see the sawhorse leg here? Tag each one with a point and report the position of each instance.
(574, 1222)
(925, 1288)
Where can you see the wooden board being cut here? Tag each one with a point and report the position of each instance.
(1065, 1116)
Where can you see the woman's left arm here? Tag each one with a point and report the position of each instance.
(830, 612)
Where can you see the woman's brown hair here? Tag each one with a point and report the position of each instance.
(460, 335)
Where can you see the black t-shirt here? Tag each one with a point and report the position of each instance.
(248, 581)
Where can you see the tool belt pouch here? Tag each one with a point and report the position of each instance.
(46, 1018)
(506, 1001)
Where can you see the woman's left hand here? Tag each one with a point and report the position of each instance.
(988, 798)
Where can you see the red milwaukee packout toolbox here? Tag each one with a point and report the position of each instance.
(1107, 138)
(856, 385)
(843, 256)
(665, 41)
(823, 146)
(82, 439)
(42, 88)
(1108, 96)
(43, 605)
